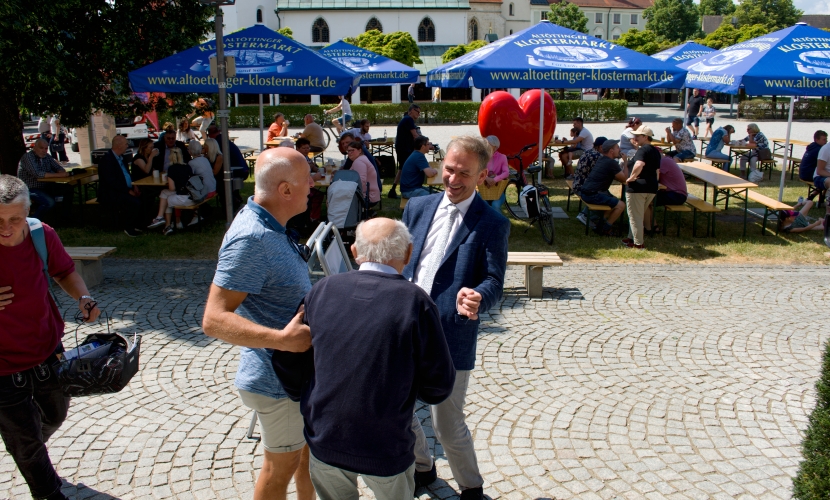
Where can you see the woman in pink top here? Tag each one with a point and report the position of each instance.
(366, 170)
(497, 170)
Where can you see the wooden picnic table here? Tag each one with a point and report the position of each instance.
(78, 181)
(378, 146)
(722, 183)
(151, 182)
(795, 142)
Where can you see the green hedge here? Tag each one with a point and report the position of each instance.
(436, 113)
(813, 478)
(765, 109)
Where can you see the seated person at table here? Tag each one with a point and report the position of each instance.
(578, 145)
(364, 168)
(821, 177)
(279, 128)
(684, 147)
(239, 167)
(314, 133)
(315, 196)
(583, 169)
(184, 133)
(415, 168)
(497, 171)
(756, 140)
(627, 147)
(342, 145)
(675, 193)
(595, 188)
(37, 164)
(716, 143)
(808, 162)
(304, 146)
(286, 143)
(170, 151)
(176, 194)
(142, 165)
(361, 130)
(795, 221)
(116, 189)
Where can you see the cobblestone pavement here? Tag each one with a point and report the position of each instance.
(623, 382)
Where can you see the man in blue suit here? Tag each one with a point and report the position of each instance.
(459, 257)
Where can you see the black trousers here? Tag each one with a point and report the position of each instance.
(128, 208)
(32, 408)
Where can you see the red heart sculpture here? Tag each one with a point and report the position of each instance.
(516, 124)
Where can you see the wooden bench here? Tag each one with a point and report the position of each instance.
(703, 207)
(793, 161)
(88, 262)
(534, 263)
(93, 201)
(675, 209)
(714, 161)
(769, 204)
(591, 206)
(813, 191)
(195, 207)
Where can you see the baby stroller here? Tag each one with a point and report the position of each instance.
(346, 206)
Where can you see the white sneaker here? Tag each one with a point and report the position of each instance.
(582, 218)
(193, 222)
(800, 199)
(179, 225)
(158, 221)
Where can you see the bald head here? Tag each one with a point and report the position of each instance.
(308, 119)
(119, 145)
(383, 241)
(277, 165)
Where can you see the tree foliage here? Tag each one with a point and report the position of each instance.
(73, 56)
(460, 50)
(645, 41)
(398, 45)
(568, 15)
(716, 7)
(774, 14)
(727, 35)
(675, 20)
(286, 32)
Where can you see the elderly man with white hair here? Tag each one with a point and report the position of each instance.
(36, 165)
(260, 280)
(375, 351)
(177, 194)
(32, 404)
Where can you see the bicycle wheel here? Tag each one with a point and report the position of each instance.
(511, 195)
(328, 137)
(546, 221)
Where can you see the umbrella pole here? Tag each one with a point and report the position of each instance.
(686, 108)
(260, 122)
(223, 114)
(786, 150)
(541, 131)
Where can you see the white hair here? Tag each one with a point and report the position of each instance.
(286, 143)
(494, 141)
(386, 250)
(14, 191)
(269, 173)
(195, 148)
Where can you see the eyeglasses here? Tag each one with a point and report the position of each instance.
(301, 248)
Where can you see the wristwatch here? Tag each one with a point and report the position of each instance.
(82, 297)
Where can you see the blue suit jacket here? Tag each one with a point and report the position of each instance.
(475, 258)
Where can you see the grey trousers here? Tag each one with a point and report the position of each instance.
(332, 483)
(636, 204)
(451, 430)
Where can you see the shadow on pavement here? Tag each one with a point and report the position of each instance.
(81, 491)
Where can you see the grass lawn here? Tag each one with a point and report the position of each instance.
(571, 242)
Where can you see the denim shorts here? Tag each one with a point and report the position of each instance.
(693, 119)
(344, 119)
(818, 182)
(601, 198)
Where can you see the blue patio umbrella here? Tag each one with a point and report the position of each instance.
(266, 63)
(549, 56)
(794, 61)
(683, 52)
(373, 68)
(680, 54)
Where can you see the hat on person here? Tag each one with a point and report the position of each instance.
(607, 145)
(598, 142)
(643, 130)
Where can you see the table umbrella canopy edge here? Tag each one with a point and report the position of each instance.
(374, 69)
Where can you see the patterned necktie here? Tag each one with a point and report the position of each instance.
(438, 251)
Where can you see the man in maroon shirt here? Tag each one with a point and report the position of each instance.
(32, 405)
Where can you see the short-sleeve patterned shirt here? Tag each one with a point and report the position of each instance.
(685, 138)
(584, 166)
(31, 168)
(256, 257)
(761, 141)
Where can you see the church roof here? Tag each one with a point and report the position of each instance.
(370, 4)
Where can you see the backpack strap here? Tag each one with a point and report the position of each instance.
(39, 240)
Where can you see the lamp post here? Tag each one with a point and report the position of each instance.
(223, 114)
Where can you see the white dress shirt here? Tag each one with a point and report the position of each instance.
(376, 266)
(438, 222)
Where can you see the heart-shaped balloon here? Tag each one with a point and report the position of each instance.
(516, 123)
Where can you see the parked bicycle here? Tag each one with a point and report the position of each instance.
(529, 201)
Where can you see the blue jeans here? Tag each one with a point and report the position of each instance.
(43, 201)
(496, 204)
(415, 193)
(684, 155)
(720, 156)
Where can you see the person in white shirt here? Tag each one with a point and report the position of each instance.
(176, 193)
(584, 141)
(340, 123)
(361, 130)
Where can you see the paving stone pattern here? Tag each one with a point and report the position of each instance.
(634, 381)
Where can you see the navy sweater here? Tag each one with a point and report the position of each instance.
(377, 344)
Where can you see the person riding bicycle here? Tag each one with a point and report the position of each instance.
(340, 123)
